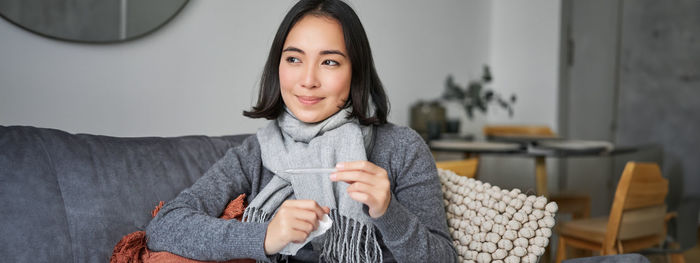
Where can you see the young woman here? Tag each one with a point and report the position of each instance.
(328, 109)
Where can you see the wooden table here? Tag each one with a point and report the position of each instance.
(539, 151)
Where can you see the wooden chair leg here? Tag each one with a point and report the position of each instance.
(546, 256)
(620, 249)
(677, 258)
(561, 249)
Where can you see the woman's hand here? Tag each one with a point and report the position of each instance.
(293, 222)
(369, 184)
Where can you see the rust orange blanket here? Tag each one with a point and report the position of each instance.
(132, 247)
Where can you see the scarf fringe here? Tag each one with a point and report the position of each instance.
(252, 214)
(350, 241)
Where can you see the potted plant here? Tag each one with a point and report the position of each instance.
(476, 96)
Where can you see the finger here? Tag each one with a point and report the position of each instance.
(361, 187)
(326, 209)
(303, 226)
(361, 197)
(309, 205)
(307, 216)
(363, 193)
(374, 196)
(359, 165)
(297, 236)
(353, 176)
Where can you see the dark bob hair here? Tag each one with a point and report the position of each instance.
(364, 82)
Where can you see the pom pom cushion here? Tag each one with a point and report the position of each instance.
(489, 224)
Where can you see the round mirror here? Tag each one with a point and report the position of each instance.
(94, 21)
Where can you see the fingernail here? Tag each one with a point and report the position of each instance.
(339, 165)
(332, 176)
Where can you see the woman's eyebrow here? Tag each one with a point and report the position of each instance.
(324, 52)
(329, 52)
(293, 49)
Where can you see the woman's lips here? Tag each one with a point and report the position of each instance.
(309, 100)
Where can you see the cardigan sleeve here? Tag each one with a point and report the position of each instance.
(189, 225)
(414, 227)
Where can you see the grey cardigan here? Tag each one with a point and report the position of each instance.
(413, 229)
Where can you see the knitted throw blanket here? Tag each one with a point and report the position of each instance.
(132, 248)
(288, 143)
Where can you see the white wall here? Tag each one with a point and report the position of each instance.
(524, 56)
(194, 76)
(198, 73)
(418, 45)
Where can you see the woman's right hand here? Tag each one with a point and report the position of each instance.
(293, 222)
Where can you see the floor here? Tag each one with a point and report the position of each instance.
(693, 255)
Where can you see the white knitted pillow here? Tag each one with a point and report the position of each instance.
(489, 224)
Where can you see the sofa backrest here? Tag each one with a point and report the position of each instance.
(71, 197)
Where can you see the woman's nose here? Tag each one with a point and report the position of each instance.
(310, 78)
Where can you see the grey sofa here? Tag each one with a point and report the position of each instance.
(71, 197)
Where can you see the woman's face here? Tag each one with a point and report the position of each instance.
(315, 70)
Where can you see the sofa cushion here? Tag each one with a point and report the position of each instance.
(489, 223)
(102, 188)
(33, 223)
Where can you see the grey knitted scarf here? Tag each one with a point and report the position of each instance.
(289, 143)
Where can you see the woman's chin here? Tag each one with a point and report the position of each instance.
(315, 113)
(307, 119)
(310, 117)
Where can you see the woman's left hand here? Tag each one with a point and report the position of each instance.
(369, 184)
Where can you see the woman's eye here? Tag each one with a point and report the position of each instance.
(329, 62)
(293, 60)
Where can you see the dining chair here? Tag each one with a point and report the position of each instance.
(637, 218)
(575, 204)
(466, 167)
